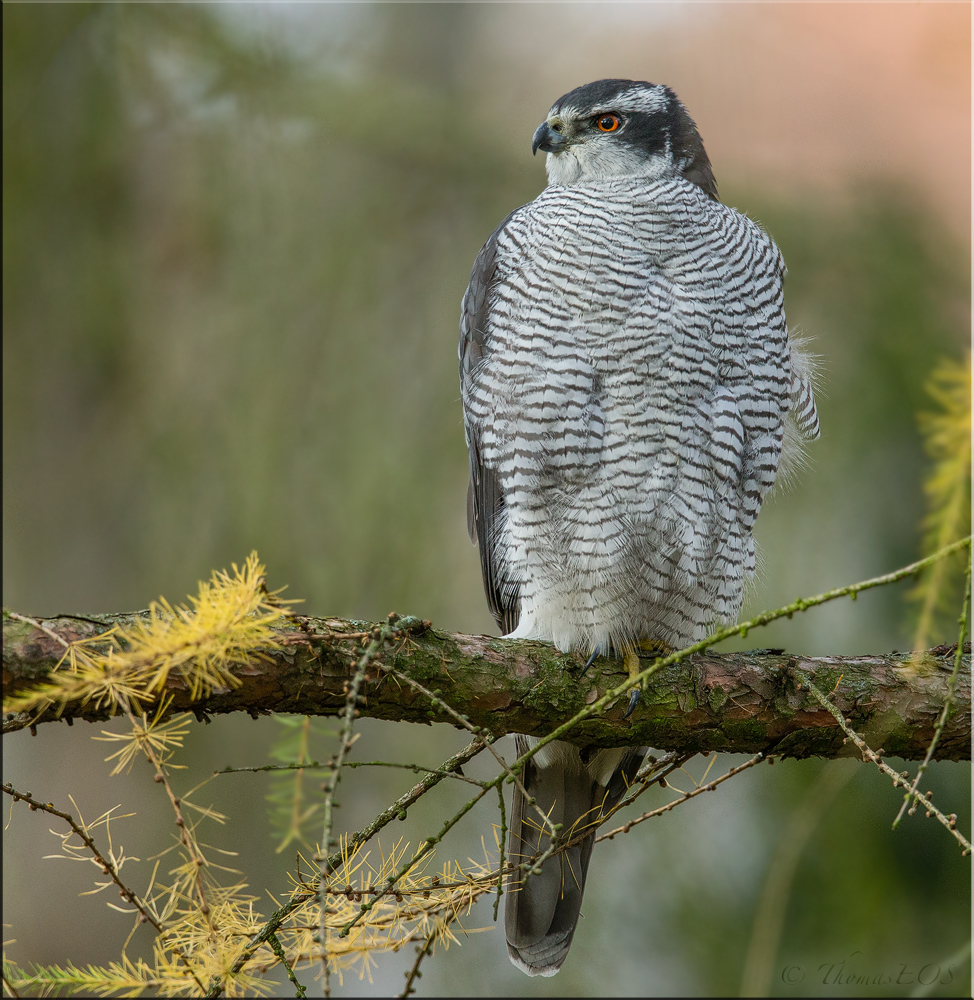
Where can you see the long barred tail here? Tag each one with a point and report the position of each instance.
(542, 910)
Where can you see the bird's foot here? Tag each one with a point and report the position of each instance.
(633, 666)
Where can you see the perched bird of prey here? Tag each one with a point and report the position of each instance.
(628, 387)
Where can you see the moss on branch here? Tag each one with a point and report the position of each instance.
(735, 702)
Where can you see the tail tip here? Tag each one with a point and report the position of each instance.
(518, 962)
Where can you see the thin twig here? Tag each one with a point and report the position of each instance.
(413, 974)
(316, 765)
(299, 990)
(464, 721)
(107, 867)
(417, 768)
(502, 862)
(425, 848)
(869, 754)
(186, 835)
(652, 772)
(57, 638)
(948, 701)
(708, 787)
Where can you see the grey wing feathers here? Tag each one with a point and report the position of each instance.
(485, 498)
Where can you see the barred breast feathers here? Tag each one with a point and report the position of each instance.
(626, 385)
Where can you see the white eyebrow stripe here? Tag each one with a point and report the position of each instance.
(631, 99)
(641, 99)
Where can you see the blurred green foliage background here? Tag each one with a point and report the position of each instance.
(235, 242)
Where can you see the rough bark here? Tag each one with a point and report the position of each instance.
(735, 702)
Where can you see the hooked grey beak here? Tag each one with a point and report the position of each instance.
(546, 139)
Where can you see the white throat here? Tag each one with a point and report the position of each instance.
(590, 161)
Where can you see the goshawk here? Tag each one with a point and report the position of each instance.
(628, 388)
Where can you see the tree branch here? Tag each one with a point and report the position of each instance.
(735, 702)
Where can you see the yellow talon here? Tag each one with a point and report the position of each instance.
(633, 666)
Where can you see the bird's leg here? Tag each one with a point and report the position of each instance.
(633, 666)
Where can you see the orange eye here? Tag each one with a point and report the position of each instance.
(608, 123)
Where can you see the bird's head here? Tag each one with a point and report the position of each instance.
(622, 128)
